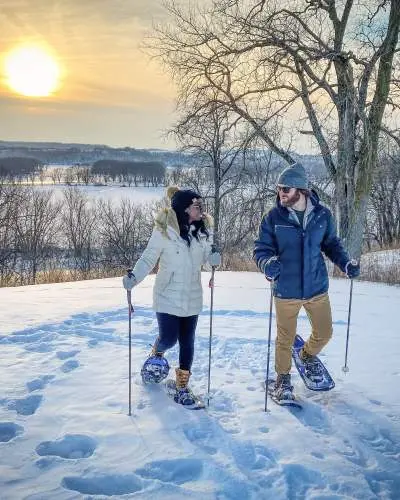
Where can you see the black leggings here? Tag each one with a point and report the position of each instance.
(175, 328)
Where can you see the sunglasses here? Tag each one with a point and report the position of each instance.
(284, 189)
(199, 205)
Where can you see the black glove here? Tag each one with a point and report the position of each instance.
(352, 269)
(272, 270)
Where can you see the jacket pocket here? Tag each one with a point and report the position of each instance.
(163, 280)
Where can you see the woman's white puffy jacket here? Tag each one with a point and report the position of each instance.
(177, 288)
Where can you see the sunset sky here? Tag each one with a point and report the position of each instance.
(109, 91)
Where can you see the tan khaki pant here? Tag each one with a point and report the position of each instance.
(287, 310)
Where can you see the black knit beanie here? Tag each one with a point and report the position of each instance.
(182, 199)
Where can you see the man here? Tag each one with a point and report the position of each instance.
(293, 237)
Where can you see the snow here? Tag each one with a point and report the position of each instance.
(65, 432)
(382, 260)
(112, 192)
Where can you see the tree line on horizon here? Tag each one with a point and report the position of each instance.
(31, 170)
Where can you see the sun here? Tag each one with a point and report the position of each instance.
(31, 71)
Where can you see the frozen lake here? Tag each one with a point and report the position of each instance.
(115, 193)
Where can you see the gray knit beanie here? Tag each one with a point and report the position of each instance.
(294, 176)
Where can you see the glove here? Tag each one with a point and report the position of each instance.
(352, 269)
(272, 269)
(129, 280)
(214, 259)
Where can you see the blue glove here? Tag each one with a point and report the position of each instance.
(273, 269)
(352, 269)
(129, 280)
(214, 259)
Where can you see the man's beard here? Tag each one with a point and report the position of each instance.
(291, 200)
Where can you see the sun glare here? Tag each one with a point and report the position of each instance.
(32, 72)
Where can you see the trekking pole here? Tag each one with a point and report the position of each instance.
(211, 285)
(269, 343)
(345, 368)
(130, 311)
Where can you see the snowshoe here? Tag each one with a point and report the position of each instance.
(155, 369)
(183, 396)
(313, 372)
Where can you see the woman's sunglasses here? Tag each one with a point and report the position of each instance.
(199, 205)
(284, 189)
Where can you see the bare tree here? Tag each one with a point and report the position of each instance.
(79, 224)
(124, 231)
(384, 223)
(217, 143)
(84, 175)
(36, 231)
(11, 198)
(56, 175)
(331, 63)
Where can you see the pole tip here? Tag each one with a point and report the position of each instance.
(345, 369)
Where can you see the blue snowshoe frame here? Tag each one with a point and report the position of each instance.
(326, 384)
(155, 369)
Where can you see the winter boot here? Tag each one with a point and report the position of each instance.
(283, 389)
(313, 369)
(184, 395)
(155, 368)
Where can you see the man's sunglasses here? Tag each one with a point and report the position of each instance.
(284, 189)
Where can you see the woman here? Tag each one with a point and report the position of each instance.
(181, 244)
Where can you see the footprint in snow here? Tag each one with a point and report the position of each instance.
(301, 480)
(104, 485)
(66, 354)
(26, 406)
(177, 471)
(69, 365)
(248, 456)
(9, 430)
(204, 437)
(71, 446)
(39, 383)
(375, 402)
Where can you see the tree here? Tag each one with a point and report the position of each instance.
(78, 225)
(124, 230)
(216, 143)
(328, 62)
(11, 199)
(385, 202)
(36, 230)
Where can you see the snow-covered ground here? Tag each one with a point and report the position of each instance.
(65, 432)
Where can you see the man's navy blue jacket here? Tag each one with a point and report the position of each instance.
(303, 272)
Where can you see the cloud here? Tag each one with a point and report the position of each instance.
(103, 70)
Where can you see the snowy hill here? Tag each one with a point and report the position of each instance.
(65, 433)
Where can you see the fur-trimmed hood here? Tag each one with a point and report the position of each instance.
(167, 218)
